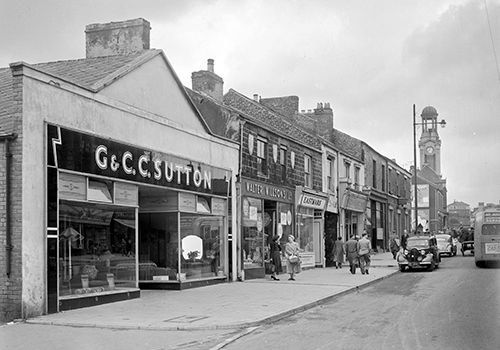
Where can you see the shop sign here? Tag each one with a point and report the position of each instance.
(269, 192)
(310, 201)
(93, 155)
(354, 201)
(332, 205)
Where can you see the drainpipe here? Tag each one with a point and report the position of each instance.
(240, 273)
(8, 231)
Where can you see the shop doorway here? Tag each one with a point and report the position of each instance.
(331, 234)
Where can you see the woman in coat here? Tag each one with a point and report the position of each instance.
(338, 252)
(292, 249)
(275, 252)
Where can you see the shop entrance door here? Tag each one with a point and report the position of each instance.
(319, 259)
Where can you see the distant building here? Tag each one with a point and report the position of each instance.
(431, 186)
(459, 215)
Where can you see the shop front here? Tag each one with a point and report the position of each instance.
(122, 218)
(331, 228)
(353, 208)
(266, 210)
(310, 226)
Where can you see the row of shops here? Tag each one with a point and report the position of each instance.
(120, 187)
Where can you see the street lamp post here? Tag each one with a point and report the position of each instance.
(415, 168)
(443, 124)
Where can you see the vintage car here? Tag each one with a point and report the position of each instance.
(418, 253)
(446, 245)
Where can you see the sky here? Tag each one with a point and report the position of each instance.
(371, 60)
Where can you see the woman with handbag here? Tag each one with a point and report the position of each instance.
(275, 252)
(293, 258)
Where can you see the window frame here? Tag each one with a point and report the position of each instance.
(307, 170)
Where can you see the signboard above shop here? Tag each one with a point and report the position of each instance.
(88, 154)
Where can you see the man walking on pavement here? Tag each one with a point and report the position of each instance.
(364, 249)
(351, 249)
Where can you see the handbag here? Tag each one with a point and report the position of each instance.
(293, 259)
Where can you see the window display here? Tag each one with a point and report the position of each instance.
(253, 234)
(305, 224)
(93, 254)
(202, 246)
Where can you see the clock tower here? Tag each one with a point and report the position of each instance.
(430, 144)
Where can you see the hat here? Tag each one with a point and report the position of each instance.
(292, 237)
(364, 234)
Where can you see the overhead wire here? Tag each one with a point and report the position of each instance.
(492, 40)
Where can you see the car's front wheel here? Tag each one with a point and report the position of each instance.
(432, 265)
(402, 268)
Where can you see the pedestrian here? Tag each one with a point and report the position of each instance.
(404, 239)
(275, 252)
(293, 257)
(351, 249)
(338, 252)
(129, 247)
(364, 249)
(393, 245)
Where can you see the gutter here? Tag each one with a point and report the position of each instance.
(8, 231)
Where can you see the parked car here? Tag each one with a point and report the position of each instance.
(446, 245)
(418, 253)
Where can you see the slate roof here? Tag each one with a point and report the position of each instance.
(6, 101)
(348, 144)
(263, 115)
(96, 73)
(89, 73)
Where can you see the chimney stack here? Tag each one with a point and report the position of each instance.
(208, 82)
(117, 38)
(210, 65)
(256, 97)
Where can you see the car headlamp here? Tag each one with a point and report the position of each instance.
(422, 252)
(406, 251)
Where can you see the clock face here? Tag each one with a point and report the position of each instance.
(429, 150)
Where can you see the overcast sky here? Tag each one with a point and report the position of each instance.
(372, 60)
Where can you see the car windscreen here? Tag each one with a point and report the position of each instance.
(417, 243)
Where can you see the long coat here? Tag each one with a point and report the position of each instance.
(338, 251)
(292, 249)
(275, 252)
(351, 247)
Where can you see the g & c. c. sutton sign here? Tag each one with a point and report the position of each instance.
(89, 154)
(266, 191)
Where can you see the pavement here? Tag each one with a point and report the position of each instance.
(231, 305)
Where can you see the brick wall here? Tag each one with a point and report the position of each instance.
(294, 176)
(11, 286)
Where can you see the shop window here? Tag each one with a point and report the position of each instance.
(92, 256)
(252, 232)
(305, 219)
(202, 246)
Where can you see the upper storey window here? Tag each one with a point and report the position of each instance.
(262, 155)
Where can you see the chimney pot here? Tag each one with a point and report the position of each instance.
(256, 97)
(210, 65)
